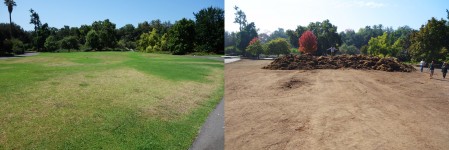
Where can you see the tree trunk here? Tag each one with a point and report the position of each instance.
(10, 26)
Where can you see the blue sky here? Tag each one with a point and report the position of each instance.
(268, 15)
(75, 13)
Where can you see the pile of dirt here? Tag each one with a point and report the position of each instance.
(308, 62)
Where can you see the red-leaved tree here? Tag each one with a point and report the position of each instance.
(308, 43)
(254, 40)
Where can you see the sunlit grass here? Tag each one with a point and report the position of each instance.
(108, 100)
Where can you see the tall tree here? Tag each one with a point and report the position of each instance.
(181, 37)
(240, 18)
(37, 24)
(247, 31)
(209, 28)
(10, 4)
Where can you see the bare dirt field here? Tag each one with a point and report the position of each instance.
(333, 109)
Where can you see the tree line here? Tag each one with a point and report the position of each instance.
(430, 42)
(202, 35)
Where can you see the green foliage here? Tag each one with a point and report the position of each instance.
(51, 44)
(164, 43)
(277, 46)
(247, 31)
(149, 42)
(431, 42)
(381, 46)
(255, 48)
(326, 34)
(17, 46)
(93, 40)
(181, 37)
(364, 49)
(231, 50)
(244, 37)
(106, 32)
(69, 43)
(351, 49)
(279, 33)
(209, 29)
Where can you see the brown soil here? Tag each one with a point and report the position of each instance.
(333, 109)
(307, 62)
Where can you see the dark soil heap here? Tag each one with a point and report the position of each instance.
(308, 62)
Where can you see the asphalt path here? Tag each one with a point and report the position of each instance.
(22, 55)
(211, 136)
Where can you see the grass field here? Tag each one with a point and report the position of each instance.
(109, 100)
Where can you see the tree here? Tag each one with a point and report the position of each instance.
(181, 37)
(93, 40)
(230, 39)
(10, 4)
(106, 32)
(255, 47)
(37, 23)
(279, 33)
(209, 28)
(240, 18)
(431, 42)
(349, 49)
(42, 33)
(164, 42)
(292, 38)
(51, 44)
(277, 46)
(70, 42)
(308, 43)
(378, 46)
(247, 31)
(326, 34)
(149, 42)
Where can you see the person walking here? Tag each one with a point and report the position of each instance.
(431, 68)
(444, 69)
(422, 63)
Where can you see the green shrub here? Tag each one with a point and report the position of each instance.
(232, 50)
(17, 46)
(277, 46)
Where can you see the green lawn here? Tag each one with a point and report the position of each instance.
(107, 100)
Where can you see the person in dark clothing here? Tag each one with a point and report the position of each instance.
(431, 68)
(444, 70)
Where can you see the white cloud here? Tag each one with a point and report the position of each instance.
(360, 4)
(370, 4)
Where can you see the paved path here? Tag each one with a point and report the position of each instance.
(22, 55)
(211, 135)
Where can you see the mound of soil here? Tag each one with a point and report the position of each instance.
(308, 62)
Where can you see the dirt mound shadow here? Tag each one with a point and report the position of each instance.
(292, 83)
